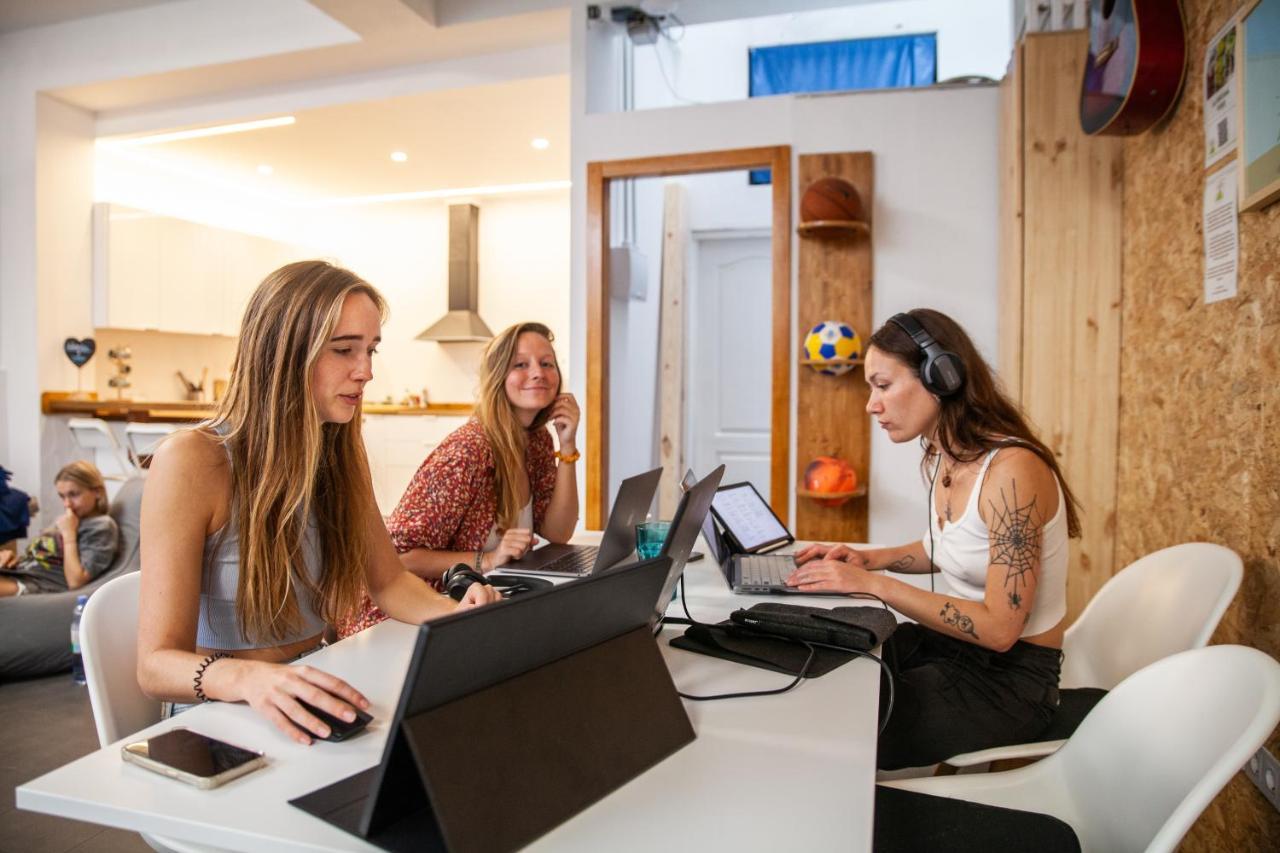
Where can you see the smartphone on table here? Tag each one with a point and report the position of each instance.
(193, 758)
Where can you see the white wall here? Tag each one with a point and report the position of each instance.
(934, 238)
(709, 62)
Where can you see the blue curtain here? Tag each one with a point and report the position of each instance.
(834, 66)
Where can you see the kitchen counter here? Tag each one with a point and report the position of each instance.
(58, 403)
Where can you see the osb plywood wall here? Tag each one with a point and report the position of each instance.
(1199, 450)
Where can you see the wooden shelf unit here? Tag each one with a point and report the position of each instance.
(834, 282)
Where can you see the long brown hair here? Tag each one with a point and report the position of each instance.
(980, 417)
(287, 466)
(507, 436)
(87, 476)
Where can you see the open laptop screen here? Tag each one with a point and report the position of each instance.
(748, 519)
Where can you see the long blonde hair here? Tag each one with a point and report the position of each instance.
(287, 466)
(507, 436)
(87, 476)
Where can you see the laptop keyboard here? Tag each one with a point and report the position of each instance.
(574, 563)
(766, 570)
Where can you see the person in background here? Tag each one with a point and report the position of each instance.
(494, 482)
(78, 547)
(259, 527)
(980, 667)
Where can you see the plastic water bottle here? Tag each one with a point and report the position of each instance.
(77, 665)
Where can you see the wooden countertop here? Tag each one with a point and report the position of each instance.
(59, 403)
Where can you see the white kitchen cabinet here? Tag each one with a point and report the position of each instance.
(126, 251)
(166, 274)
(397, 445)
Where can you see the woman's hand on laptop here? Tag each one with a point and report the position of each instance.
(514, 545)
(843, 553)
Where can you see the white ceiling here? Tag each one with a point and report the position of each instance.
(478, 136)
(24, 14)
(392, 34)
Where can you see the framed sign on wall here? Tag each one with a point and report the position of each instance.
(1260, 105)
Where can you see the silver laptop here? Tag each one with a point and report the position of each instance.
(630, 507)
(740, 528)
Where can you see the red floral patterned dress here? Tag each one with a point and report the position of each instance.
(451, 503)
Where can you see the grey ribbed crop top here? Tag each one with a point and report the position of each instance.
(218, 626)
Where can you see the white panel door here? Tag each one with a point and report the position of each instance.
(727, 389)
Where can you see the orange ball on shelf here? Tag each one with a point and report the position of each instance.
(830, 475)
(829, 199)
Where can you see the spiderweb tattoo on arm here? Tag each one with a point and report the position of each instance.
(1015, 541)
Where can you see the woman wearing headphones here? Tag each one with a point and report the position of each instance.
(259, 527)
(980, 666)
(495, 481)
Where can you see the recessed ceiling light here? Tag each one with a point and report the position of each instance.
(216, 130)
(541, 144)
(265, 169)
(399, 156)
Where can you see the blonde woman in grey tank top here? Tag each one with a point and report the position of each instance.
(259, 528)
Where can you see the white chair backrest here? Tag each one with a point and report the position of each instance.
(1166, 602)
(94, 434)
(1157, 749)
(109, 649)
(143, 438)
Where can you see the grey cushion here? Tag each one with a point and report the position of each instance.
(35, 630)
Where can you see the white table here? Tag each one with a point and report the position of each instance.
(794, 771)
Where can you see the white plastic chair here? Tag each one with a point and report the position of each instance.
(142, 438)
(93, 434)
(1169, 601)
(1149, 758)
(109, 651)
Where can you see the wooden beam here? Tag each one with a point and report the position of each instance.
(597, 401)
(671, 363)
(780, 427)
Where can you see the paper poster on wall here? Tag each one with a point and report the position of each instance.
(1221, 240)
(1220, 91)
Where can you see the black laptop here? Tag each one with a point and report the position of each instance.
(630, 507)
(517, 715)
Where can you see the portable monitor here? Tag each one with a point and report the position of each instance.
(748, 522)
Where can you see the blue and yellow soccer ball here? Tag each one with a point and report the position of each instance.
(831, 340)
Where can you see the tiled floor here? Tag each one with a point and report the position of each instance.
(44, 723)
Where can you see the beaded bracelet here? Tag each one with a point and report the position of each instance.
(204, 664)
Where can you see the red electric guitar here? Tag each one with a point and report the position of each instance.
(1136, 65)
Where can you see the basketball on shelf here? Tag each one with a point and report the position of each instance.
(830, 475)
(830, 343)
(829, 199)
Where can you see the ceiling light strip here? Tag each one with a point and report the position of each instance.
(496, 189)
(216, 130)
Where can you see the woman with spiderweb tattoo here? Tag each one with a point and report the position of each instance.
(980, 667)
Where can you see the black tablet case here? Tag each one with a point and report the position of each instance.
(516, 716)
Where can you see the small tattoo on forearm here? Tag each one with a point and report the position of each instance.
(901, 564)
(951, 615)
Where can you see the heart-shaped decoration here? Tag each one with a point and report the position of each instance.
(79, 351)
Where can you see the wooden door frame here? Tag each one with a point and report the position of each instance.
(775, 158)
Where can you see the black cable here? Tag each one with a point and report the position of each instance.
(812, 646)
(932, 480)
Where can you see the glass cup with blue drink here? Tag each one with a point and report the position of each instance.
(649, 538)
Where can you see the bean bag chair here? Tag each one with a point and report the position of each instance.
(35, 630)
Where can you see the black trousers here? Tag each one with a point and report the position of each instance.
(952, 697)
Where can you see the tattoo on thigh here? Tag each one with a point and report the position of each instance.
(952, 616)
(1015, 541)
(900, 564)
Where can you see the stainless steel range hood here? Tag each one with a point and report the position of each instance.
(462, 323)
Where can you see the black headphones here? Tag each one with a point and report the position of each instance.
(942, 372)
(458, 579)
